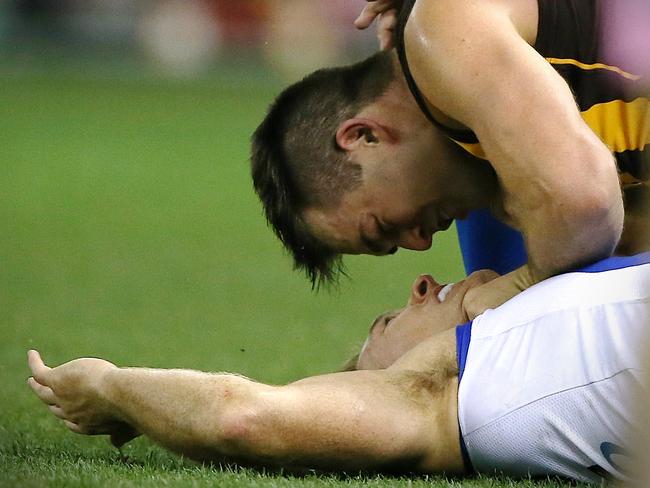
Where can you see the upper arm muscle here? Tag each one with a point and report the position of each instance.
(470, 62)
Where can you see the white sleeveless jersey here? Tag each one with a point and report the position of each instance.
(549, 379)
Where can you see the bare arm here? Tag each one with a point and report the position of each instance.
(559, 181)
(355, 420)
(497, 292)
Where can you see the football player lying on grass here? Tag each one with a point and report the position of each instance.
(538, 386)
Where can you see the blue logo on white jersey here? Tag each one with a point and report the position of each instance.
(610, 450)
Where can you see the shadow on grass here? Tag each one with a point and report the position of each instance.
(80, 460)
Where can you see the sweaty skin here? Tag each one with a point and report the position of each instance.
(399, 419)
(385, 11)
(528, 123)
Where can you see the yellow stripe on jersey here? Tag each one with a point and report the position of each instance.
(622, 126)
(629, 180)
(475, 149)
(607, 67)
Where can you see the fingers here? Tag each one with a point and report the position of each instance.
(73, 427)
(365, 18)
(56, 410)
(474, 280)
(481, 277)
(386, 29)
(458, 291)
(40, 372)
(371, 11)
(47, 396)
(44, 393)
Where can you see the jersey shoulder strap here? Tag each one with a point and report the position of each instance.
(467, 137)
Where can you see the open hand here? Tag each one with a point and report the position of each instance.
(385, 11)
(496, 292)
(73, 392)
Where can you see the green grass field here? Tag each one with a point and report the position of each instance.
(129, 231)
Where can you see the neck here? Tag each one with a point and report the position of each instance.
(406, 94)
(403, 97)
(397, 110)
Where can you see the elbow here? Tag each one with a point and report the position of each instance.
(245, 432)
(575, 212)
(238, 427)
(601, 214)
(596, 200)
(593, 223)
(221, 436)
(601, 203)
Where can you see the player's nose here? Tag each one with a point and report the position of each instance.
(416, 238)
(423, 288)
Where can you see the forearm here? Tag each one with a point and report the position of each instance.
(554, 244)
(356, 420)
(389, 419)
(183, 410)
(498, 291)
(565, 198)
(563, 235)
(558, 181)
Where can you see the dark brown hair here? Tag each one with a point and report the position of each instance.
(296, 162)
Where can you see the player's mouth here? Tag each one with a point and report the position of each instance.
(442, 291)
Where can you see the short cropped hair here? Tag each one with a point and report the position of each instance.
(296, 162)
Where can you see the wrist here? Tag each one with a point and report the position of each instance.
(109, 391)
(524, 277)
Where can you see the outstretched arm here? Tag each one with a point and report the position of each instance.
(346, 421)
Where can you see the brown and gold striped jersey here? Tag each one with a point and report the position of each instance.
(572, 37)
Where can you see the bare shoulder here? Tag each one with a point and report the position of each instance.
(464, 54)
(433, 17)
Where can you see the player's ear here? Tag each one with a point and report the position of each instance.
(357, 132)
